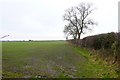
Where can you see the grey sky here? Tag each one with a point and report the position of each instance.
(119, 16)
(43, 19)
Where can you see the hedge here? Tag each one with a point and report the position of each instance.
(108, 44)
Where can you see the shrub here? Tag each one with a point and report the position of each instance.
(105, 44)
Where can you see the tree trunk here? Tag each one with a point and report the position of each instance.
(79, 34)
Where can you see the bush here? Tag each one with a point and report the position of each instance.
(109, 42)
(106, 44)
(99, 41)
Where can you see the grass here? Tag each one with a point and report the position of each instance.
(96, 67)
(56, 59)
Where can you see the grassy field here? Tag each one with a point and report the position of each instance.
(57, 59)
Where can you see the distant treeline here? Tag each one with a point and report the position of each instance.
(31, 40)
(105, 45)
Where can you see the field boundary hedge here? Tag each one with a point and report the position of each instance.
(105, 45)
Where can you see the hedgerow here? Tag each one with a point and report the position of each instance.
(106, 44)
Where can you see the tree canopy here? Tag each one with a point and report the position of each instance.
(78, 20)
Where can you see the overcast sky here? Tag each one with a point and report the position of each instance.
(43, 19)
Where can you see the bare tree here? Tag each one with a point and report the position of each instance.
(70, 30)
(78, 20)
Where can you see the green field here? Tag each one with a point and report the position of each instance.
(56, 59)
